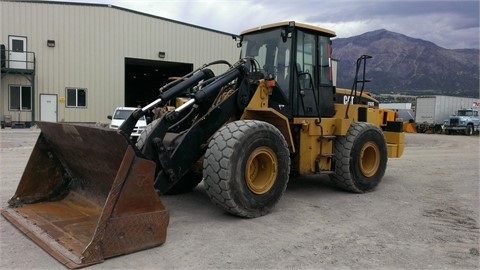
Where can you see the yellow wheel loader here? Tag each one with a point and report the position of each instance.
(89, 193)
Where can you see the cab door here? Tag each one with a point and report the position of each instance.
(313, 70)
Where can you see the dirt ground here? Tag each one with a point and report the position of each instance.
(424, 215)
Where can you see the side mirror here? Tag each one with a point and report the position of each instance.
(109, 117)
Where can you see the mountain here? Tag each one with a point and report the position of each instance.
(402, 64)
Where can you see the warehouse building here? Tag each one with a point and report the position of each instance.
(72, 62)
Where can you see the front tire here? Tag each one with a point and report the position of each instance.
(469, 130)
(360, 158)
(246, 168)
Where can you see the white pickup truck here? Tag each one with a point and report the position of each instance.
(122, 113)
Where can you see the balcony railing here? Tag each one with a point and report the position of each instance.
(17, 62)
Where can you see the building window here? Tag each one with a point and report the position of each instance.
(77, 97)
(17, 45)
(20, 98)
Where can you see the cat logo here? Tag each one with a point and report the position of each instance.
(347, 99)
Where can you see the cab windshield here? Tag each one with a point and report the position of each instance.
(467, 113)
(271, 52)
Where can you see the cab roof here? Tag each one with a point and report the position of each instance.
(324, 31)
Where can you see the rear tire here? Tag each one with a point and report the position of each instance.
(246, 168)
(360, 158)
(188, 182)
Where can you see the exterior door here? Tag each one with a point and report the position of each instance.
(48, 108)
(17, 57)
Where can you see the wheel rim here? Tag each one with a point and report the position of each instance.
(261, 170)
(369, 159)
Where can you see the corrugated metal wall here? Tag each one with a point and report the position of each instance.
(91, 43)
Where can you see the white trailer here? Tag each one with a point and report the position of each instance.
(432, 111)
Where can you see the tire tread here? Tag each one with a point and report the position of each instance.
(217, 164)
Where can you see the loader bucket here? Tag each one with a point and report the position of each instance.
(85, 195)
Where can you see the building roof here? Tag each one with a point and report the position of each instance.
(120, 8)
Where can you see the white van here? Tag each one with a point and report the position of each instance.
(122, 113)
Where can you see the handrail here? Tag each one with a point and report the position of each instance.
(18, 61)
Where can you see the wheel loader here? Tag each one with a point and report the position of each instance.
(90, 193)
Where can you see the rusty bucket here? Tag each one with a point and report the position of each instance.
(86, 195)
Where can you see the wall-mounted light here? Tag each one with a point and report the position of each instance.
(161, 54)
(51, 43)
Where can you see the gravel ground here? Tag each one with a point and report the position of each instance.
(424, 215)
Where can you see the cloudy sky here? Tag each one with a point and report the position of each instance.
(449, 24)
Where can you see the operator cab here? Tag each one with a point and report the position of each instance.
(298, 56)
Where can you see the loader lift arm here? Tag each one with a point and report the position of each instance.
(190, 80)
(167, 145)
